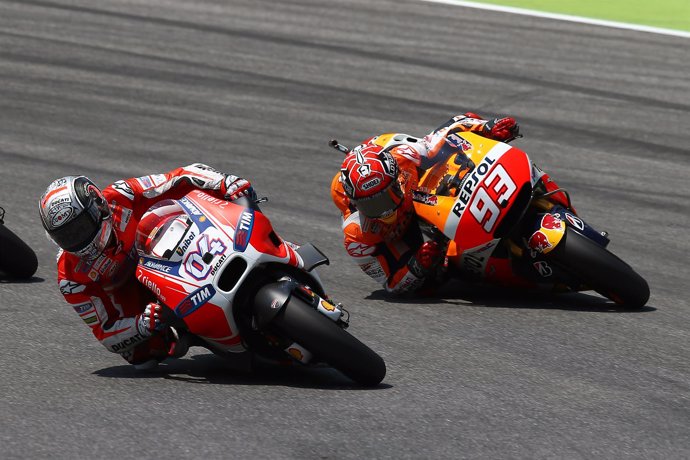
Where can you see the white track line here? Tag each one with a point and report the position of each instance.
(564, 17)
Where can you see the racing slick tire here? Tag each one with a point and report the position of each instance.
(17, 259)
(601, 270)
(329, 342)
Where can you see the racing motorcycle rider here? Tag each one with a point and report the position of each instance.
(373, 191)
(96, 230)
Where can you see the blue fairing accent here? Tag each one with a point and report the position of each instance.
(243, 230)
(580, 225)
(202, 222)
(159, 265)
(195, 300)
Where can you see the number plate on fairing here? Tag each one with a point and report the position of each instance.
(486, 194)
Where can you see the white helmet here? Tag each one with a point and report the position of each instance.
(76, 216)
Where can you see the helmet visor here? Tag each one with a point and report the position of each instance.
(77, 233)
(382, 204)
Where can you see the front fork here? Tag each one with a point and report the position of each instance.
(272, 298)
(545, 229)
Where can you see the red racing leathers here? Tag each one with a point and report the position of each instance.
(104, 291)
(388, 252)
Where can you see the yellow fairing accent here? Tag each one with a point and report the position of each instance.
(554, 236)
(384, 139)
(437, 214)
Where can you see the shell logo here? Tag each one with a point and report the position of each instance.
(328, 306)
(296, 353)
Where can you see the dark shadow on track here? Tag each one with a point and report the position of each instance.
(211, 369)
(463, 294)
(8, 279)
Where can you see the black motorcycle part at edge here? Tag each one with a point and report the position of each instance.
(601, 270)
(17, 259)
(329, 342)
(270, 300)
(312, 257)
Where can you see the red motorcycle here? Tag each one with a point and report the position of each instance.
(231, 282)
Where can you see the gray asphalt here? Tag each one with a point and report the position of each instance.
(123, 88)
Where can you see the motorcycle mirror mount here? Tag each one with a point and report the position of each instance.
(338, 146)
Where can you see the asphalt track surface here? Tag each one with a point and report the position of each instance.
(122, 88)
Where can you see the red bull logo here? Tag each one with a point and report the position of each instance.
(539, 242)
(551, 222)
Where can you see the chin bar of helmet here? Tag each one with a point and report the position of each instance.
(338, 146)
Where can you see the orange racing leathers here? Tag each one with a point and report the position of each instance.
(104, 291)
(385, 251)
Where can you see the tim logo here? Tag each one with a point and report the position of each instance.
(194, 301)
(243, 230)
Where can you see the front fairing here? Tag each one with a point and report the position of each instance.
(196, 252)
(477, 201)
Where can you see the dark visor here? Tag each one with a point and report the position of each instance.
(76, 234)
(382, 203)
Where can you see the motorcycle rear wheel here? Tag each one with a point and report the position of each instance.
(17, 259)
(329, 342)
(601, 270)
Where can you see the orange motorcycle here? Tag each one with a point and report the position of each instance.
(507, 222)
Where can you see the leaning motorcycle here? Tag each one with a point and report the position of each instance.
(231, 282)
(17, 259)
(505, 221)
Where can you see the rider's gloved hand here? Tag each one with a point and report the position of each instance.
(150, 321)
(501, 129)
(234, 187)
(428, 257)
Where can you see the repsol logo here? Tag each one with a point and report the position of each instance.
(470, 183)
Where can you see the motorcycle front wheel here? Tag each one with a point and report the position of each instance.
(601, 270)
(329, 342)
(17, 259)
